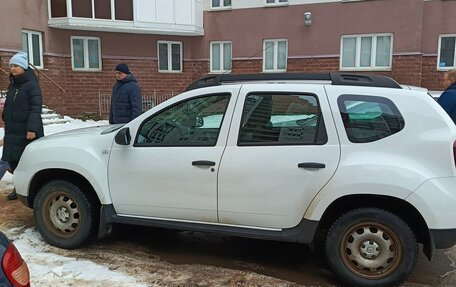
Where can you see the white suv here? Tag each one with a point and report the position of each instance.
(359, 164)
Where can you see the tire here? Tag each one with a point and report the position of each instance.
(371, 247)
(65, 217)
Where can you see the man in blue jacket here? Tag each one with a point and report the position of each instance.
(448, 98)
(126, 101)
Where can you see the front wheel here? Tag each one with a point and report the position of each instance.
(64, 215)
(371, 247)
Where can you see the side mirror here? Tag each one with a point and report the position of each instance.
(123, 137)
(199, 122)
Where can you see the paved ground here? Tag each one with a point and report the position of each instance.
(169, 258)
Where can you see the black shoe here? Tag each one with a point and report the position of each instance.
(12, 196)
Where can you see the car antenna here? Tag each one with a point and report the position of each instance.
(248, 59)
(217, 79)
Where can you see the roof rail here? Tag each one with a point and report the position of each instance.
(336, 78)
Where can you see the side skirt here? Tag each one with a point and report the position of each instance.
(302, 233)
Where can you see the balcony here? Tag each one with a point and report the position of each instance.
(165, 17)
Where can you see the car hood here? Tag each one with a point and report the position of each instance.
(97, 130)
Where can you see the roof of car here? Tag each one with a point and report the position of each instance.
(335, 78)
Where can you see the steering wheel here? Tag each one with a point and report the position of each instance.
(166, 131)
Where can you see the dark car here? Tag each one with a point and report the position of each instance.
(14, 271)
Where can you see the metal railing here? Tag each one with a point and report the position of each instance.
(148, 101)
(52, 92)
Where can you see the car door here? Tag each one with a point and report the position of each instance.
(170, 169)
(282, 149)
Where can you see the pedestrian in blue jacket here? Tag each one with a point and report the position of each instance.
(448, 98)
(126, 100)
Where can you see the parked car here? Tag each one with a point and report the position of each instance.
(359, 164)
(14, 271)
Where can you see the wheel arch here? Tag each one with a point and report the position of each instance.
(47, 175)
(397, 206)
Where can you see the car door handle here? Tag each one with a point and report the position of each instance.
(203, 162)
(311, 165)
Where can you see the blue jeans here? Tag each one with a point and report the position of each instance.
(4, 166)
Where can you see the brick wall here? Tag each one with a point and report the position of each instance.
(432, 79)
(82, 89)
(407, 70)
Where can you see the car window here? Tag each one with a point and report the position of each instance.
(281, 119)
(195, 122)
(367, 119)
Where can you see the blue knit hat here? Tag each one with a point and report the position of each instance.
(20, 59)
(123, 68)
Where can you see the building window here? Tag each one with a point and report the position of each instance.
(220, 4)
(220, 57)
(32, 43)
(169, 56)
(447, 52)
(275, 55)
(366, 52)
(276, 2)
(94, 9)
(58, 8)
(85, 54)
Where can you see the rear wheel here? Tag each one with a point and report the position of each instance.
(371, 247)
(64, 215)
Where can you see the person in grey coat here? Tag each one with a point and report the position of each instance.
(22, 112)
(126, 100)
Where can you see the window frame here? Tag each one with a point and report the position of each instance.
(373, 66)
(86, 54)
(276, 53)
(170, 56)
(29, 50)
(223, 69)
(69, 11)
(276, 3)
(221, 6)
(439, 53)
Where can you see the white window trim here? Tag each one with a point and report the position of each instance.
(222, 70)
(275, 4)
(357, 66)
(86, 54)
(221, 7)
(30, 46)
(438, 51)
(170, 56)
(70, 9)
(276, 53)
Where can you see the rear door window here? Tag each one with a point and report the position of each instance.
(281, 119)
(368, 119)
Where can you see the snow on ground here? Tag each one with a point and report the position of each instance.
(49, 269)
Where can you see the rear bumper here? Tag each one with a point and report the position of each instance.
(443, 238)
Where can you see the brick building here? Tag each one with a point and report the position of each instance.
(75, 44)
